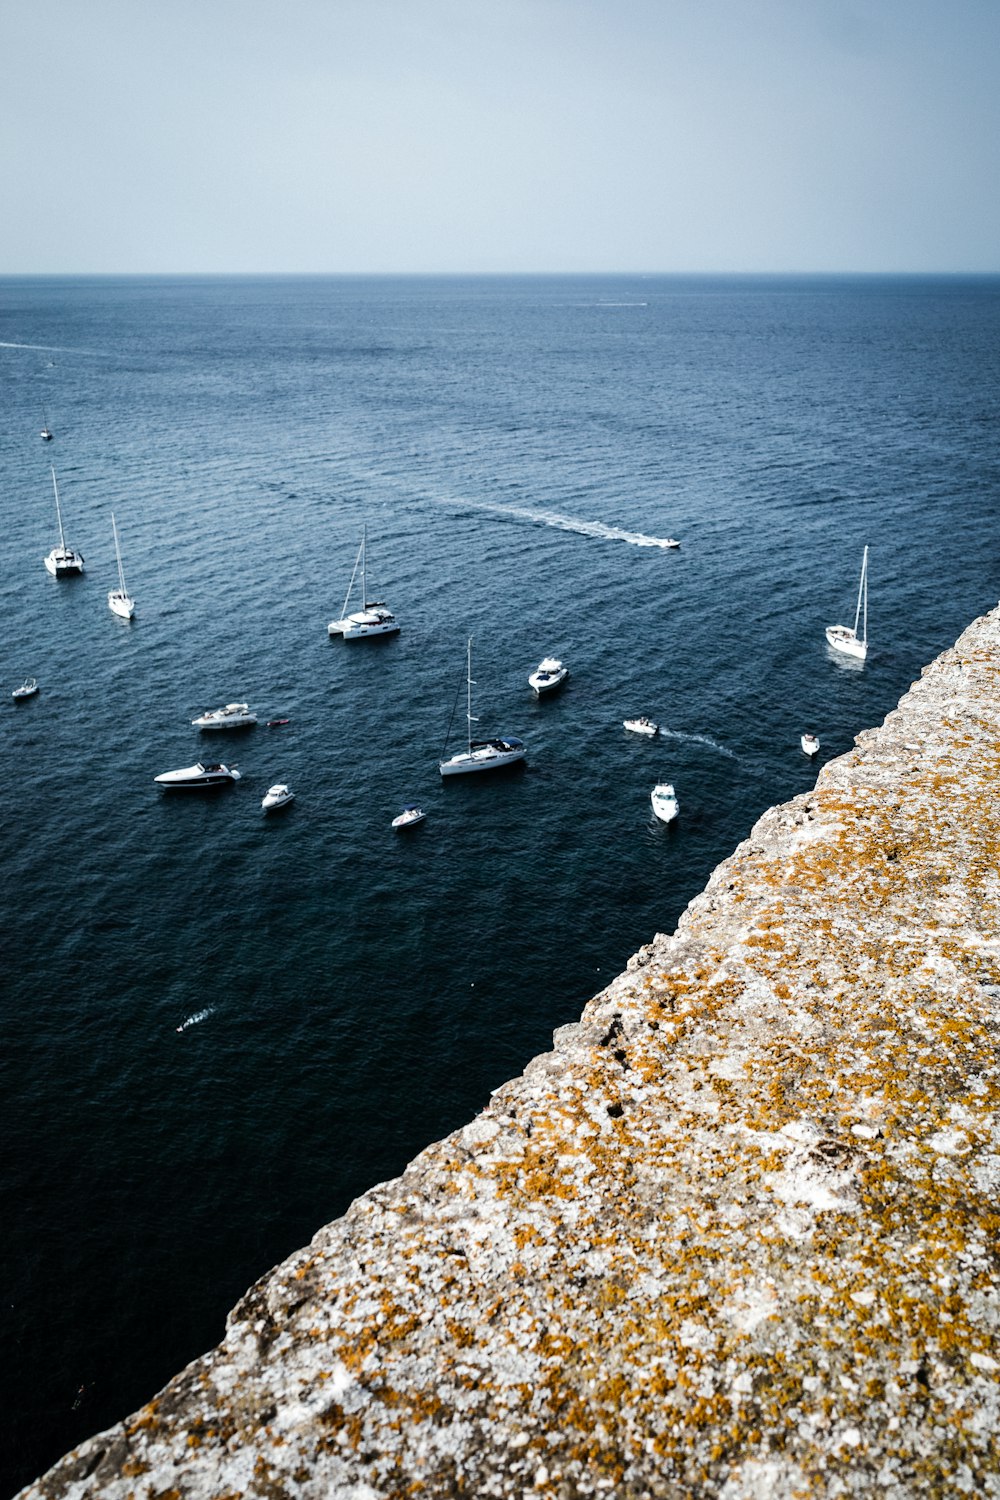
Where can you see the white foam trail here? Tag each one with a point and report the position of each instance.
(53, 349)
(565, 523)
(697, 739)
(199, 1015)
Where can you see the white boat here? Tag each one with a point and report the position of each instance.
(120, 601)
(843, 637)
(204, 774)
(233, 716)
(548, 675)
(481, 755)
(664, 802)
(62, 561)
(410, 815)
(46, 433)
(373, 618)
(28, 689)
(641, 725)
(278, 795)
(809, 743)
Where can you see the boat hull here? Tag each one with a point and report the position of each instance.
(843, 639)
(63, 562)
(664, 803)
(483, 758)
(120, 604)
(542, 682)
(356, 629)
(409, 819)
(641, 726)
(196, 778)
(277, 798)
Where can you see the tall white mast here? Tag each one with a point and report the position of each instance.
(862, 594)
(118, 555)
(62, 539)
(468, 711)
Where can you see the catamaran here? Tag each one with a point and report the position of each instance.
(843, 637)
(120, 601)
(373, 618)
(481, 755)
(62, 561)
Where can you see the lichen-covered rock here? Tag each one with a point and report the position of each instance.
(735, 1236)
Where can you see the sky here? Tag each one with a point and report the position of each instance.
(499, 136)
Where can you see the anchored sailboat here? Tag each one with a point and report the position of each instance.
(120, 601)
(481, 755)
(373, 618)
(843, 637)
(62, 560)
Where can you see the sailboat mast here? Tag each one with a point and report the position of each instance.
(118, 555)
(468, 710)
(364, 564)
(862, 592)
(55, 487)
(864, 570)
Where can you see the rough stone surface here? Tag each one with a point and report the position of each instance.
(736, 1236)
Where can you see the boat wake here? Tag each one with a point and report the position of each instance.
(566, 523)
(697, 739)
(199, 1016)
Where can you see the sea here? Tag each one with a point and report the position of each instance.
(220, 1027)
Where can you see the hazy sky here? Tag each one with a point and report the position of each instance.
(500, 135)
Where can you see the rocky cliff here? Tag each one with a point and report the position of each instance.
(735, 1236)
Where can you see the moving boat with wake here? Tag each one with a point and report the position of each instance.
(641, 725)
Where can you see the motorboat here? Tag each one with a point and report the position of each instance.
(28, 689)
(233, 716)
(810, 744)
(664, 802)
(641, 725)
(204, 774)
(374, 617)
(278, 795)
(63, 561)
(410, 815)
(481, 755)
(548, 675)
(845, 638)
(120, 601)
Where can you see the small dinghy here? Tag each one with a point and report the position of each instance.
(278, 795)
(810, 744)
(641, 725)
(410, 815)
(664, 802)
(28, 689)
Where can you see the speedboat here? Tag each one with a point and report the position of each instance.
(641, 725)
(204, 774)
(548, 675)
(28, 689)
(278, 795)
(410, 815)
(233, 716)
(809, 743)
(664, 802)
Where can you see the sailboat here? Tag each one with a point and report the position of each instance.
(843, 637)
(62, 560)
(373, 618)
(481, 755)
(120, 601)
(46, 433)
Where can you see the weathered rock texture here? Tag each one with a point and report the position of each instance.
(735, 1236)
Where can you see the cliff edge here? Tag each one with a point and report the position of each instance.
(735, 1236)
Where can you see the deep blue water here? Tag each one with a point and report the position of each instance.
(365, 990)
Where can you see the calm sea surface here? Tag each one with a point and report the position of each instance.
(517, 449)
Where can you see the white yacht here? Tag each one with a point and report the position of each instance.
(641, 725)
(233, 716)
(62, 561)
(28, 689)
(810, 744)
(481, 755)
(845, 638)
(548, 675)
(204, 774)
(373, 618)
(278, 795)
(410, 815)
(120, 601)
(664, 802)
